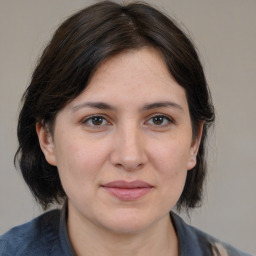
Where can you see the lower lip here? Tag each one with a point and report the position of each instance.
(128, 194)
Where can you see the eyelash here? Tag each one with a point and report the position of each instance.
(168, 119)
(88, 119)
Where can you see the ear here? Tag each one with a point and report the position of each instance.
(46, 143)
(194, 148)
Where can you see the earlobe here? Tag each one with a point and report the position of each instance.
(194, 148)
(46, 143)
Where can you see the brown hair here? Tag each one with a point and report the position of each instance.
(77, 48)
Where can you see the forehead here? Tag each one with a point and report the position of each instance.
(139, 76)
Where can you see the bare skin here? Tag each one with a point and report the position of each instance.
(130, 126)
(159, 239)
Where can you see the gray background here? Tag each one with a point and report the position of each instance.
(225, 34)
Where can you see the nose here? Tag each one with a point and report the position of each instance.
(129, 151)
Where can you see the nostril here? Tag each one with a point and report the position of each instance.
(129, 167)
(118, 165)
(128, 152)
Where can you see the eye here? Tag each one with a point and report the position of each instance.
(95, 121)
(160, 120)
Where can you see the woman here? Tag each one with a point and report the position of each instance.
(113, 127)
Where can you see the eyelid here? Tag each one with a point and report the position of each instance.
(168, 117)
(87, 118)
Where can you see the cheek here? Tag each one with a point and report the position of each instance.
(79, 162)
(171, 157)
(170, 161)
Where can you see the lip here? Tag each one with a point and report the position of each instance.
(127, 191)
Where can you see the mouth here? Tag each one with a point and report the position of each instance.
(127, 191)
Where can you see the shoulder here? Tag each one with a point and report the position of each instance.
(200, 242)
(33, 238)
(218, 248)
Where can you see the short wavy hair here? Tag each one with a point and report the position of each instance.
(67, 64)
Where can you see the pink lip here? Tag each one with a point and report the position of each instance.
(128, 191)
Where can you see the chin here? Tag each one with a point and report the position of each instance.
(129, 222)
(128, 228)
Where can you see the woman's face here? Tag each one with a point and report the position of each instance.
(124, 145)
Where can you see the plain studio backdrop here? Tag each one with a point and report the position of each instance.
(224, 32)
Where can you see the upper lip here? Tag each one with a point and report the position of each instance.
(127, 184)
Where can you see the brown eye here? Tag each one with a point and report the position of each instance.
(95, 121)
(160, 120)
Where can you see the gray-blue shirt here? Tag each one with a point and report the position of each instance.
(47, 235)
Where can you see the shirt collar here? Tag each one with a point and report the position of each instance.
(63, 233)
(188, 242)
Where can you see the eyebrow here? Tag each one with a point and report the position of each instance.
(97, 105)
(149, 106)
(162, 104)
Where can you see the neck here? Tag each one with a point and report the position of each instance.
(89, 239)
